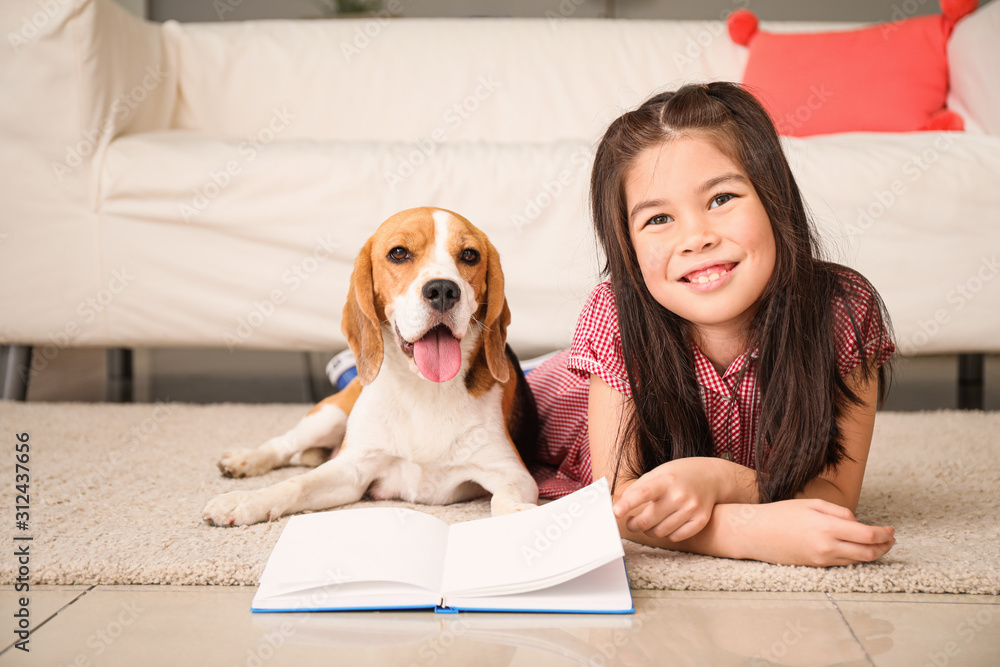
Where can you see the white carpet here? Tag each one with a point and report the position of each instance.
(117, 490)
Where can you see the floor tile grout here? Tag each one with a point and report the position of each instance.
(53, 615)
(850, 628)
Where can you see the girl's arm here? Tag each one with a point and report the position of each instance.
(674, 499)
(729, 482)
(843, 485)
(789, 532)
(682, 509)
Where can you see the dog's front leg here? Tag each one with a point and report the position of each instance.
(339, 481)
(322, 428)
(512, 486)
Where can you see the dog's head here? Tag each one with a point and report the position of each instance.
(427, 279)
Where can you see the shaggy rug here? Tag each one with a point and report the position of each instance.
(116, 493)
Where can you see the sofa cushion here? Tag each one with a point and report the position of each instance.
(973, 62)
(435, 81)
(239, 248)
(908, 211)
(891, 77)
(235, 247)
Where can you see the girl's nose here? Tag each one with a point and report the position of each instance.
(698, 236)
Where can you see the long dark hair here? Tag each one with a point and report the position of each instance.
(802, 392)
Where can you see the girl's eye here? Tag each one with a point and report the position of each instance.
(470, 256)
(719, 200)
(659, 220)
(399, 254)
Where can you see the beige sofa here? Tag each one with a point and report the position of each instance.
(209, 184)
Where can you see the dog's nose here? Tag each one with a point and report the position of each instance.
(441, 293)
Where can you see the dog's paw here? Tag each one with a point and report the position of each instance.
(501, 508)
(238, 508)
(246, 463)
(521, 507)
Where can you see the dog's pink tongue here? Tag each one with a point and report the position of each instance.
(438, 355)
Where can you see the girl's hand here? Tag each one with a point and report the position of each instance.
(812, 532)
(674, 500)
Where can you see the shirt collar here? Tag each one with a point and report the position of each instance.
(709, 378)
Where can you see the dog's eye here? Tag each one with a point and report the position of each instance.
(399, 254)
(470, 256)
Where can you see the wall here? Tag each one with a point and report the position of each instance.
(806, 10)
(137, 7)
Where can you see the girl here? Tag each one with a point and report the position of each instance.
(724, 379)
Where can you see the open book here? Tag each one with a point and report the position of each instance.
(564, 556)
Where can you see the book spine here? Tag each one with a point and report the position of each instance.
(442, 608)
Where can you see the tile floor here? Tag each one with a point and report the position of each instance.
(194, 625)
(179, 625)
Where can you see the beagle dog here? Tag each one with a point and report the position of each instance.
(440, 411)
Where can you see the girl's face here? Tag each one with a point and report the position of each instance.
(700, 232)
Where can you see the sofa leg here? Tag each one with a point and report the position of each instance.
(120, 385)
(15, 369)
(971, 375)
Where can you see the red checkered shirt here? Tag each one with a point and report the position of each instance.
(732, 400)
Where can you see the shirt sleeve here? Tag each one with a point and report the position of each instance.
(859, 326)
(597, 342)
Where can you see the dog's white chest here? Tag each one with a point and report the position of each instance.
(431, 443)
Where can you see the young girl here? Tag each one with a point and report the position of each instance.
(724, 379)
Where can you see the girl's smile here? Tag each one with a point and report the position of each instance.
(709, 277)
(701, 234)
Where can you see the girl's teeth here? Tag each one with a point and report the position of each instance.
(701, 280)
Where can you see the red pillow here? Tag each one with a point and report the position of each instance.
(891, 77)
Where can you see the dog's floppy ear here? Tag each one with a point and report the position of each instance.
(360, 322)
(497, 317)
